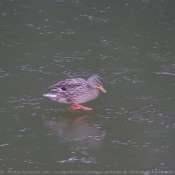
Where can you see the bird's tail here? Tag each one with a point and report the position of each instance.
(49, 95)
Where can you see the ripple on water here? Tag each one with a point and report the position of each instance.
(76, 159)
(143, 114)
(4, 144)
(4, 74)
(40, 69)
(24, 101)
(131, 144)
(29, 161)
(165, 73)
(94, 18)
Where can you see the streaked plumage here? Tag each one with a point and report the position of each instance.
(76, 90)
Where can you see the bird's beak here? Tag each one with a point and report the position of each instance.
(102, 89)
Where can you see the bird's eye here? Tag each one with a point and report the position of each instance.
(64, 89)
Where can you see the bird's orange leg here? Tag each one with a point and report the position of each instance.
(77, 107)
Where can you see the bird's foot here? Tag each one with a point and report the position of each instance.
(77, 107)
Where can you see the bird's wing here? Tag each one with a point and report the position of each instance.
(69, 83)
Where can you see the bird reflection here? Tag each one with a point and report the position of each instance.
(79, 130)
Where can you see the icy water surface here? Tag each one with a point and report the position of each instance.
(131, 128)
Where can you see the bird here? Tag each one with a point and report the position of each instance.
(76, 91)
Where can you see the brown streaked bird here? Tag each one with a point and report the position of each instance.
(76, 91)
